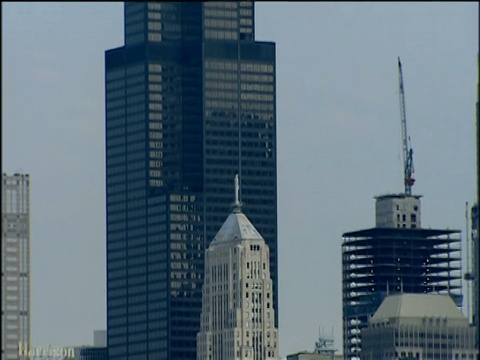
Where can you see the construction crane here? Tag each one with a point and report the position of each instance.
(409, 179)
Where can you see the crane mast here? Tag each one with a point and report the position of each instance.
(409, 179)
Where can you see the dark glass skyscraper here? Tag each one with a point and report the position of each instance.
(190, 102)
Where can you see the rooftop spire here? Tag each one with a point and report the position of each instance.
(237, 205)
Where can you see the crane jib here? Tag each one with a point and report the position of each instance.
(407, 152)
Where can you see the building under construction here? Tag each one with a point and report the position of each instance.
(396, 256)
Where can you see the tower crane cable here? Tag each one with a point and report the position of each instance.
(408, 169)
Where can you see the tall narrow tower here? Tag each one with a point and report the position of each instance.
(474, 242)
(475, 221)
(238, 317)
(190, 102)
(15, 264)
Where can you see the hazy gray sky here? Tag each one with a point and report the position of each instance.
(339, 142)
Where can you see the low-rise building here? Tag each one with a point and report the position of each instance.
(418, 326)
(304, 355)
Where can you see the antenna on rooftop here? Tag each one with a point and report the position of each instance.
(237, 205)
(325, 344)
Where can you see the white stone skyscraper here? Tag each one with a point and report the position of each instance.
(15, 264)
(238, 318)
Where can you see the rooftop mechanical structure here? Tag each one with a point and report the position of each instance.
(325, 344)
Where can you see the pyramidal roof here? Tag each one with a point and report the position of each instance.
(417, 306)
(237, 226)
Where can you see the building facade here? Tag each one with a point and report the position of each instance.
(89, 353)
(475, 275)
(15, 264)
(190, 102)
(238, 317)
(418, 326)
(475, 222)
(395, 257)
(96, 352)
